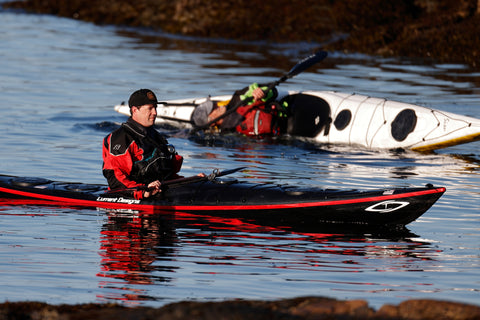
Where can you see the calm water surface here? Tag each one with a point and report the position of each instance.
(59, 80)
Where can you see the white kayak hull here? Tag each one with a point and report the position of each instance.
(356, 120)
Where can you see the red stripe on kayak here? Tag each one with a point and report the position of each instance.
(314, 204)
(137, 206)
(79, 202)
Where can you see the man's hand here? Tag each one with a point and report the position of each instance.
(153, 189)
(258, 94)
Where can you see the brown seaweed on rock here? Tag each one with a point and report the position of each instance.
(443, 30)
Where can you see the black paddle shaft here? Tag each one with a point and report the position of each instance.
(182, 181)
(299, 67)
(215, 174)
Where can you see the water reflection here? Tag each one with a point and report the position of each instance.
(130, 246)
(140, 250)
(304, 162)
(362, 73)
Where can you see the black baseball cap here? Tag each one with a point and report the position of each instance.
(142, 97)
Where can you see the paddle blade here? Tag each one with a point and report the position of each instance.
(307, 63)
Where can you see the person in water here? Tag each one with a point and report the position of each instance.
(252, 111)
(137, 157)
(257, 93)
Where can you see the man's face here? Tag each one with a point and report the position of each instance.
(145, 115)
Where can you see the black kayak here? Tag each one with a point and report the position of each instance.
(230, 198)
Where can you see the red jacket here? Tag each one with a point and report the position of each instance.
(134, 156)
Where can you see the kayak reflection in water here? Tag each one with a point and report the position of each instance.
(132, 250)
(136, 157)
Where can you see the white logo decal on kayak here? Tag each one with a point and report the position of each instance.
(387, 206)
(118, 200)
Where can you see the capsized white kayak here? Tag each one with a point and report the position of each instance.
(351, 119)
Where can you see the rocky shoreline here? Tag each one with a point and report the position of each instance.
(299, 308)
(437, 30)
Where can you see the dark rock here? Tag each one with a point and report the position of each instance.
(430, 310)
(298, 308)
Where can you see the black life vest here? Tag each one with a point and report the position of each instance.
(159, 156)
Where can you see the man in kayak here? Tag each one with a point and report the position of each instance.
(252, 111)
(136, 156)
